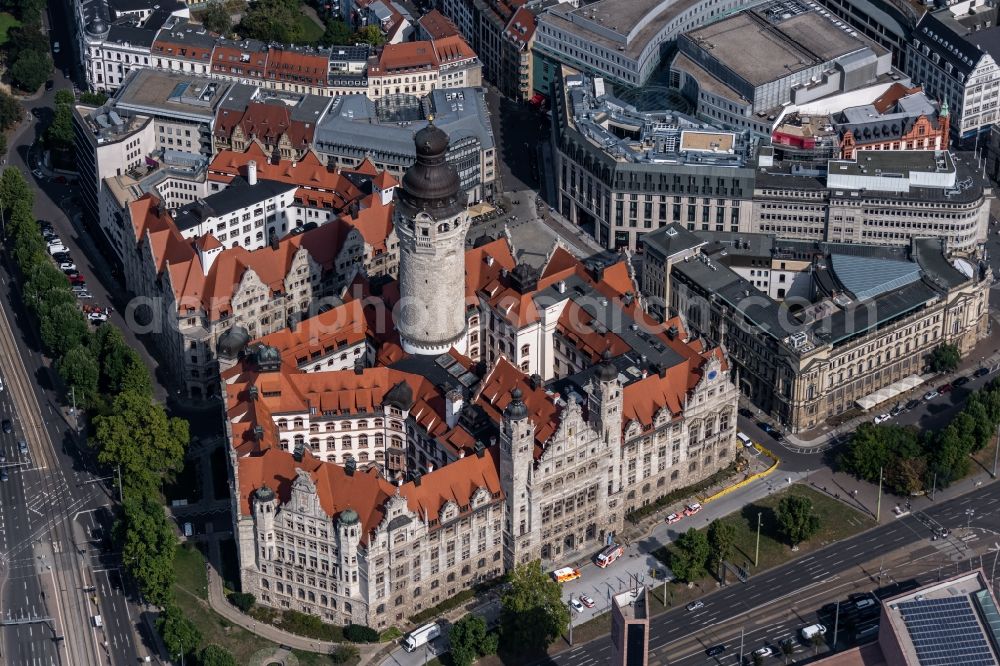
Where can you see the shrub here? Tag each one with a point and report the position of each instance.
(359, 633)
(242, 600)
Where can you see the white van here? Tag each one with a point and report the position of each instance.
(747, 442)
(98, 622)
(421, 636)
(813, 630)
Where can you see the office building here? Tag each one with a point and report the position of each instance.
(817, 329)
(622, 173)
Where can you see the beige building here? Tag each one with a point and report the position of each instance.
(879, 197)
(851, 329)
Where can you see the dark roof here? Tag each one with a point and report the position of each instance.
(929, 254)
(671, 239)
(142, 5)
(238, 195)
(969, 44)
(431, 184)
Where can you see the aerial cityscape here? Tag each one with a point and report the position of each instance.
(499, 332)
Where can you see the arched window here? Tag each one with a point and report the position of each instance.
(525, 350)
(362, 425)
(282, 424)
(314, 443)
(346, 425)
(380, 456)
(331, 443)
(362, 440)
(363, 456)
(297, 424)
(442, 227)
(345, 442)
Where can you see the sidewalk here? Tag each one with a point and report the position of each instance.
(985, 353)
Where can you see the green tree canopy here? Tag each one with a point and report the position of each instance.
(93, 98)
(721, 539)
(689, 555)
(273, 21)
(213, 655)
(533, 612)
(10, 111)
(796, 520)
(944, 358)
(370, 34)
(216, 18)
(59, 135)
(470, 639)
(30, 70)
(62, 326)
(139, 437)
(148, 548)
(14, 188)
(180, 635)
(337, 33)
(79, 372)
(64, 97)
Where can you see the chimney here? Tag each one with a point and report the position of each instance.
(416, 479)
(672, 333)
(480, 449)
(274, 241)
(452, 407)
(359, 366)
(561, 286)
(430, 467)
(489, 260)
(350, 466)
(252, 172)
(535, 382)
(461, 454)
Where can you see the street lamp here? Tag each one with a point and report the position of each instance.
(969, 513)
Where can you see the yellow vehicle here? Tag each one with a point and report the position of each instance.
(565, 574)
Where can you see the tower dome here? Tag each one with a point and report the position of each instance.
(606, 371)
(431, 184)
(516, 409)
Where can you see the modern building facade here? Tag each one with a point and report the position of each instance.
(621, 173)
(880, 196)
(818, 329)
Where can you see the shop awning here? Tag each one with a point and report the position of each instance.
(481, 209)
(536, 99)
(889, 392)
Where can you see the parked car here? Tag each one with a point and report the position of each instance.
(62, 257)
(910, 404)
(960, 381)
(8, 427)
(743, 411)
(930, 395)
(22, 446)
(692, 509)
(944, 388)
(3, 474)
(695, 605)
(981, 372)
(881, 418)
(56, 249)
(76, 280)
(97, 317)
(715, 650)
(83, 294)
(673, 518)
(67, 266)
(897, 409)
(764, 652)
(577, 606)
(587, 601)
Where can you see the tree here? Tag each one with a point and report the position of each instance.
(949, 456)
(59, 135)
(213, 655)
(944, 358)
(139, 437)
(273, 21)
(30, 70)
(337, 33)
(721, 538)
(470, 639)
(10, 111)
(242, 600)
(370, 34)
(14, 188)
(93, 98)
(796, 520)
(216, 19)
(62, 326)
(136, 377)
(64, 97)
(532, 610)
(180, 635)
(689, 556)
(79, 372)
(148, 549)
(25, 39)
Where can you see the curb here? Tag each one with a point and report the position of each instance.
(750, 479)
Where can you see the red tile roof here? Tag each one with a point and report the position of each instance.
(266, 122)
(295, 66)
(521, 28)
(437, 25)
(494, 396)
(452, 49)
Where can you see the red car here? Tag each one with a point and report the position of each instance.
(944, 388)
(76, 279)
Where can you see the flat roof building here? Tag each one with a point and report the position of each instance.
(622, 40)
(799, 55)
(621, 173)
(630, 628)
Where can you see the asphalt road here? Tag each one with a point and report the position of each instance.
(717, 622)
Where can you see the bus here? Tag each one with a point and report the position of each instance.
(565, 574)
(609, 555)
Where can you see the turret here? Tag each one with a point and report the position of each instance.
(265, 506)
(349, 538)
(517, 459)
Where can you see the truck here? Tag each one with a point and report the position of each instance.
(421, 636)
(609, 555)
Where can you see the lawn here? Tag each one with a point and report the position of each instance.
(310, 28)
(7, 22)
